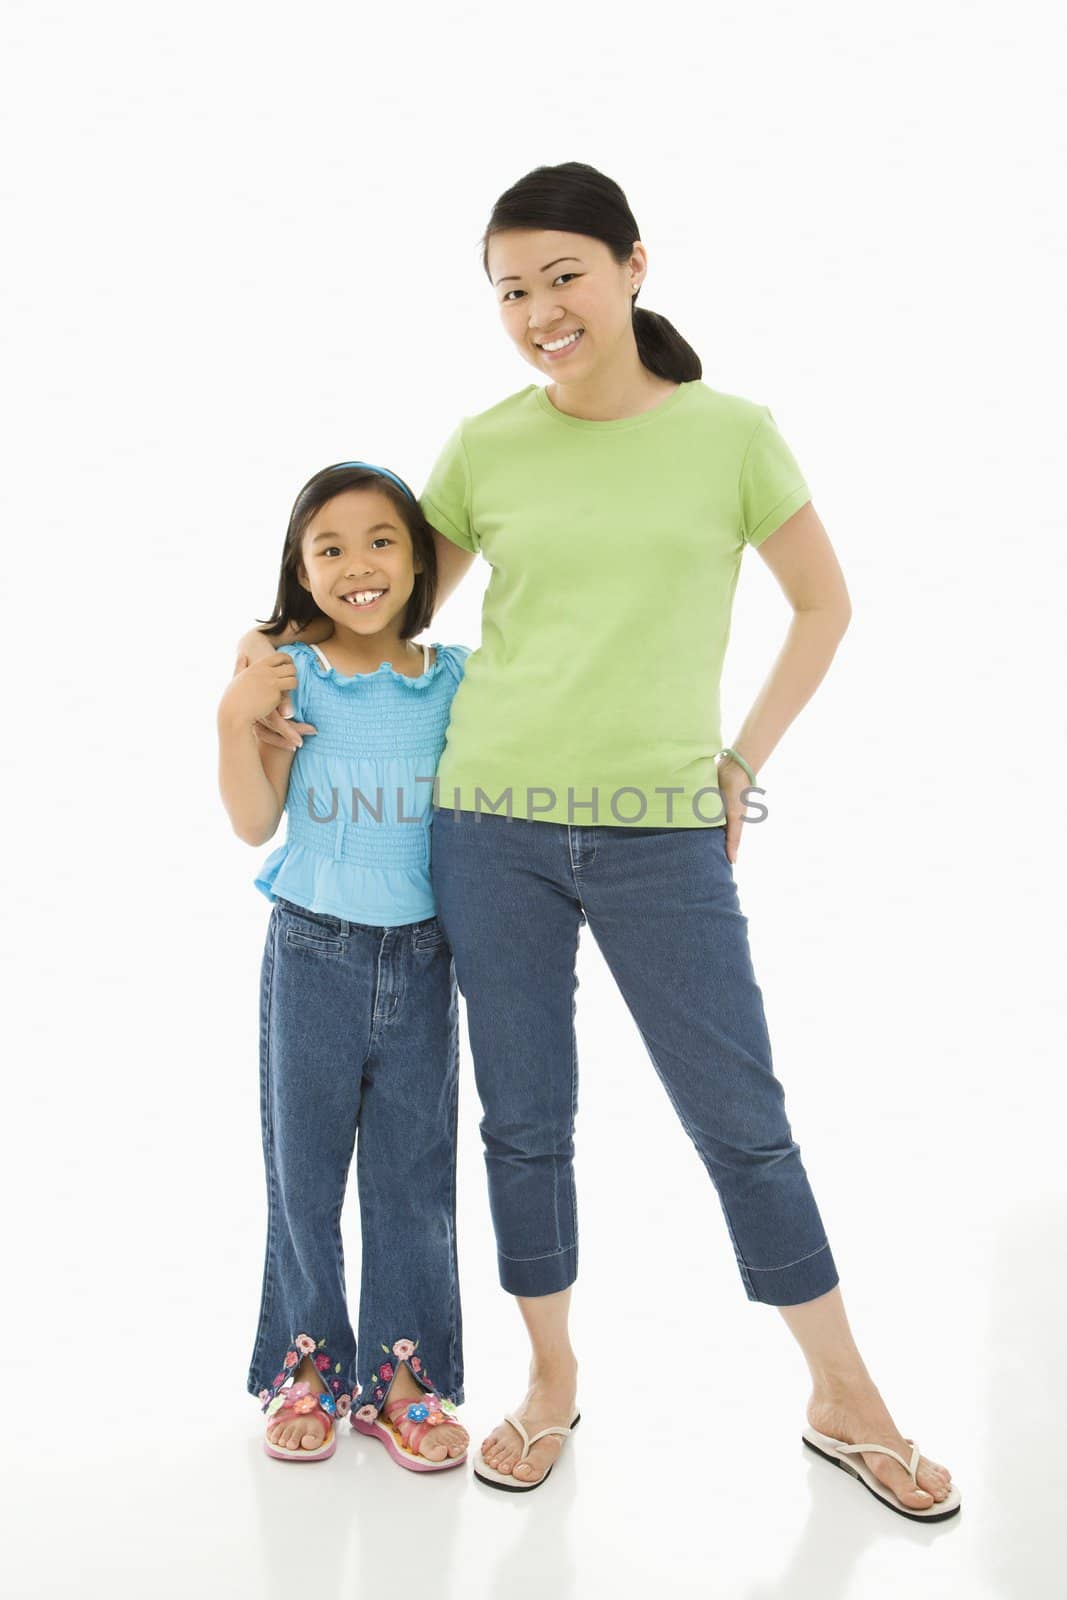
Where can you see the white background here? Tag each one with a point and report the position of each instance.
(242, 242)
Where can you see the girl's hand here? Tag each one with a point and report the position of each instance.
(276, 727)
(732, 782)
(256, 689)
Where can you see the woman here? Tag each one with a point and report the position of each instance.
(580, 783)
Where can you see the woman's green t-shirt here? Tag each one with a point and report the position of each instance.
(615, 548)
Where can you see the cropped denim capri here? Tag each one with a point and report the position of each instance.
(662, 905)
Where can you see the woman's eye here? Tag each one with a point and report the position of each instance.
(559, 279)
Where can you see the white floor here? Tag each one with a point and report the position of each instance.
(687, 1474)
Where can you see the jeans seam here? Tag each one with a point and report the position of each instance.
(267, 1296)
(453, 1265)
(742, 1264)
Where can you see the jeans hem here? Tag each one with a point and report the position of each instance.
(795, 1284)
(544, 1275)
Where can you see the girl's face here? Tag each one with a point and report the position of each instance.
(564, 300)
(358, 561)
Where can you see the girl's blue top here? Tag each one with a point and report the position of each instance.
(360, 804)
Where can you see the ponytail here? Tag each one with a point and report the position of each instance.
(662, 348)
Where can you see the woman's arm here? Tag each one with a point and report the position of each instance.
(452, 562)
(253, 789)
(800, 555)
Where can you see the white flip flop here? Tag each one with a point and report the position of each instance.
(504, 1480)
(849, 1457)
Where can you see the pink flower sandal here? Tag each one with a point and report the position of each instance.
(849, 1457)
(506, 1480)
(292, 1403)
(404, 1426)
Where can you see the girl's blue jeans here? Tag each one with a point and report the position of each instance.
(662, 905)
(359, 1047)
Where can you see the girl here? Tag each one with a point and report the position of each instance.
(614, 501)
(358, 1023)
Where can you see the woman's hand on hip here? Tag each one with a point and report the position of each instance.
(732, 782)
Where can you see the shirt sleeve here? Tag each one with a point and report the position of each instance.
(772, 485)
(446, 499)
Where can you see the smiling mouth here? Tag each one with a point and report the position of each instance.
(554, 346)
(360, 599)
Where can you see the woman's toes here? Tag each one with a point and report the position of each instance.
(896, 1479)
(537, 1463)
(934, 1479)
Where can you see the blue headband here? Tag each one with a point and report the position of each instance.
(385, 473)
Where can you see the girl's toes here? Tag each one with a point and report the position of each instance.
(433, 1449)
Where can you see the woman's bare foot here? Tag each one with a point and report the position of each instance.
(857, 1414)
(289, 1432)
(550, 1402)
(447, 1439)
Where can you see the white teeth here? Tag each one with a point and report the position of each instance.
(561, 344)
(364, 598)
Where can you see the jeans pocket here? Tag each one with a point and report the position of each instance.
(428, 935)
(311, 930)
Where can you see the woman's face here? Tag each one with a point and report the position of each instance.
(357, 545)
(564, 300)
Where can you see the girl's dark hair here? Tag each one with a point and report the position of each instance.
(575, 198)
(294, 604)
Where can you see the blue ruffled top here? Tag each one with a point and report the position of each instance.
(359, 810)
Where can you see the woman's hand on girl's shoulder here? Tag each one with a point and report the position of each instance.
(276, 727)
(257, 688)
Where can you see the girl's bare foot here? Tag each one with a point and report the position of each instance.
(857, 1414)
(550, 1402)
(447, 1439)
(289, 1432)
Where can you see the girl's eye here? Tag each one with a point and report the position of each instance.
(335, 550)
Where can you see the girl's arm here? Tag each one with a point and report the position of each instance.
(254, 788)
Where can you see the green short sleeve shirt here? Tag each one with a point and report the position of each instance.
(615, 549)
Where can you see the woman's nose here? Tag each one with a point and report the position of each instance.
(543, 315)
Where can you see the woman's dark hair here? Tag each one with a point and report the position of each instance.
(575, 198)
(294, 604)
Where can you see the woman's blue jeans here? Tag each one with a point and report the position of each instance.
(359, 1046)
(663, 907)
